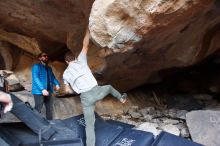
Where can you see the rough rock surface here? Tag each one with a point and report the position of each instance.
(44, 24)
(137, 41)
(204, 126)
(149, 37)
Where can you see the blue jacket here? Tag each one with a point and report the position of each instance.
(39, 78)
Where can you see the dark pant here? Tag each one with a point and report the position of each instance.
(47, 100)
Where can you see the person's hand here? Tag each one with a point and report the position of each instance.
(45, 92)
(123, 98)
(8, 106)
(68, 89)
(6, 100)
(57, 87)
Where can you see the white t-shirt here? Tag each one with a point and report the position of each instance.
(79, 75)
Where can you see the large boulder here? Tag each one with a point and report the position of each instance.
(204, 127)
(44, 25)
(135, 42)
(150, 37)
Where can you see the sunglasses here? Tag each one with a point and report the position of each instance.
(44, 55)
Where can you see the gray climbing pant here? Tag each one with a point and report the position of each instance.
(88, 100)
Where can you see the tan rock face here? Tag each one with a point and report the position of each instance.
(150, 37)
(6, 61)
(137, 41)
(45, 24)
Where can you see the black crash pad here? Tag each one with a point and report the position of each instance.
(167, 139)
(71, 131)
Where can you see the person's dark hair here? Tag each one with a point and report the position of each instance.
(40, 55)
(69, 56)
